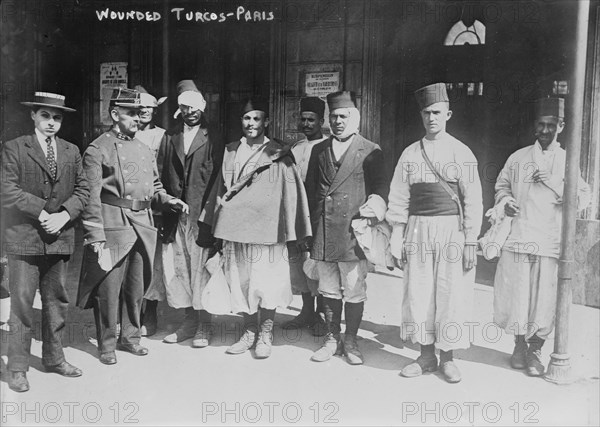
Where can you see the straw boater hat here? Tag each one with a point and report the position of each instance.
(147, 100)
(47, 99)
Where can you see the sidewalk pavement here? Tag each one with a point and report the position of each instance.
(180, 385)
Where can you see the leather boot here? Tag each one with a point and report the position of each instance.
(265, 340)
(306, 317)
(535, 368)
(354, 313)
(426, 362)
(187, 329)
(149, 318)
(518, 360)
(333, 318)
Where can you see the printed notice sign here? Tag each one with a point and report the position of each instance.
(321, 84)
(112, 75)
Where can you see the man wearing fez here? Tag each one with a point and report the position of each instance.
(312, 110)
(435, 210)
(345, 172)
(119, 236)
(148, 132)
(261, 206)
(189, 159)
(43, 191)
(531, 187)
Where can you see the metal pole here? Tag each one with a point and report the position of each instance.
(559, 368)
(165, 63)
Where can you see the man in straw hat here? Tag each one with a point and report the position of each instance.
(531, 187)
(345, 173)
(148, 132)
(43, 191)
(261, 206)
(435, 210)
(189, 161)
(119, 236)
(312, 110)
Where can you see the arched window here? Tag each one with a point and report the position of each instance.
(460, 34)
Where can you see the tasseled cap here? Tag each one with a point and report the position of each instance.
(431, 94)
(147, 100)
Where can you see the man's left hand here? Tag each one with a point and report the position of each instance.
(541, 176)
(55, 222)
(179, 205)
(469, 257)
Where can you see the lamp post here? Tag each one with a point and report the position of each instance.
(559, 368)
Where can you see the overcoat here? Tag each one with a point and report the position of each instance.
(190, 176)
(334, 197)
(266, 206)
(27, 188)
(127, 170)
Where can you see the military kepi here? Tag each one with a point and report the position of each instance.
(550, 107)
(431, 94)
(255, 104)
(48, 99)
(125, 97)
(313, 104)
(343, 99)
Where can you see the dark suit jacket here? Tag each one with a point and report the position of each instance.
(188, 177)
(334, 198)
(27, 189)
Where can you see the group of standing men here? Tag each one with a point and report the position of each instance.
(268, 209)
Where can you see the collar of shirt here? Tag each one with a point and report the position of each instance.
(553, 146)
(189, 133)
(339, 147)
(42, 141)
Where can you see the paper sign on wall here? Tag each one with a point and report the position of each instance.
(321, 84)
(112, 75)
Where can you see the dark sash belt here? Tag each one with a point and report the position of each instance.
(133, 204)
(430, 199)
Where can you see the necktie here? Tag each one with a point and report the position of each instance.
(50, 158)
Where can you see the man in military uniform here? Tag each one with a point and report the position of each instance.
(119, 236)
(435, 209)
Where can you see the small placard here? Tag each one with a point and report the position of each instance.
(112, 75)
(321, 84)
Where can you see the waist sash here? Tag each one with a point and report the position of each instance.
(431, 199)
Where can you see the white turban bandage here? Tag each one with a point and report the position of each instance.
(191, 99)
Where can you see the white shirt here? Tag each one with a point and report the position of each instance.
(244, 152)
(42, 141)
(189, 133)
(455, 162)
(536, 229)
(301, 151)
(339, 147)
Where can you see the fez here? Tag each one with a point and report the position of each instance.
(343, 99)
(313, 104)
(147, 100)
(255, 104)
(550, 107)
(431, 94)
(189, 95)
(125, 97)
(47, 99)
